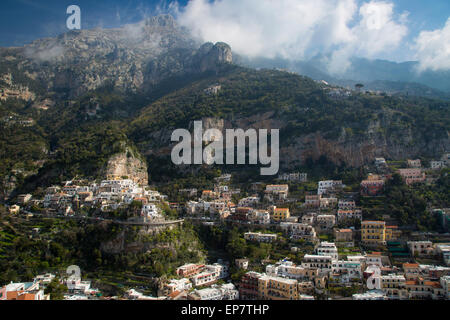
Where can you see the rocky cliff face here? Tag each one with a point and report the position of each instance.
(133, 57)
(126, 164)
(352, 150)
(212, 56)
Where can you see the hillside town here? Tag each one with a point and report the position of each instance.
(335, 251)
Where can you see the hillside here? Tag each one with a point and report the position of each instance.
(66, 129)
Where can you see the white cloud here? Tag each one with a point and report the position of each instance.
(433, 49)
(297, 29)
(376, 33)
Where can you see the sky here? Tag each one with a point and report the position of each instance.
(396, 30)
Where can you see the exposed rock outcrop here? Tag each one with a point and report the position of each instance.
(128, 165)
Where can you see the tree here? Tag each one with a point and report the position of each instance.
(56, 290)
(358, 86)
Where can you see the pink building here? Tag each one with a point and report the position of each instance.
(412, 175)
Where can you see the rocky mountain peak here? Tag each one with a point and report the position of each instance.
(133, 57)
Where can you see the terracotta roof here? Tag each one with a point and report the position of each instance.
(410, 265)
(12, 295)
(433, 284)
(174, 294)
(26, 296)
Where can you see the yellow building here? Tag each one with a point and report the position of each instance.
(373, 233)
(277, 288)
(280, 214)
(392, 233)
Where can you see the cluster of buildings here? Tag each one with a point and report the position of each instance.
(199, 282)
(325, 268)
(107, 195)
(76, 289)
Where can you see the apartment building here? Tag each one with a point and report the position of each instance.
(393, 233)
(420, 247)
(276, 192)
(259, 216)
(175, 285)
(329, 202)
(323, 263)
(373, 233)
(412, 175)
(248, 287)
(299, 230)
(414, 163)
(260, 237)
(346, 204)
(411, 271)
(343, 235)
(189, 270)
(294, 177)
(326, 221)
(435, 165)
(327, 249)
(371, 188)
(346, 271)
(312, 201)
(287, 269)
(248, 201)
(210, 275)
(422, 288)
(280, 214)
(348, 214)
(216, 292)
(370, 295)
(329, 186)
(445, 284)
(308, 219)
(394, 286)
(277, 288)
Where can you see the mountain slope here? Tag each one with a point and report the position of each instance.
(109, 93)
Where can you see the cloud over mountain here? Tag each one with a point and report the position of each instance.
(298, 29)
(433, 49)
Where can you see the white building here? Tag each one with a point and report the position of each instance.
(323, 263)
(260, 216)
(298, 230)
(286, 269)
(248, 202)
(294, 176)
(327, 249)
(179, 285)
(260, 237)
(150, 211)
(346, 204)
(374, 260)
(345, 271)
(211, 274)
(437, 164)
(370, 295)
(328, 186)
(420, 247)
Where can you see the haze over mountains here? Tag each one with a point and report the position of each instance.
(377, 75)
